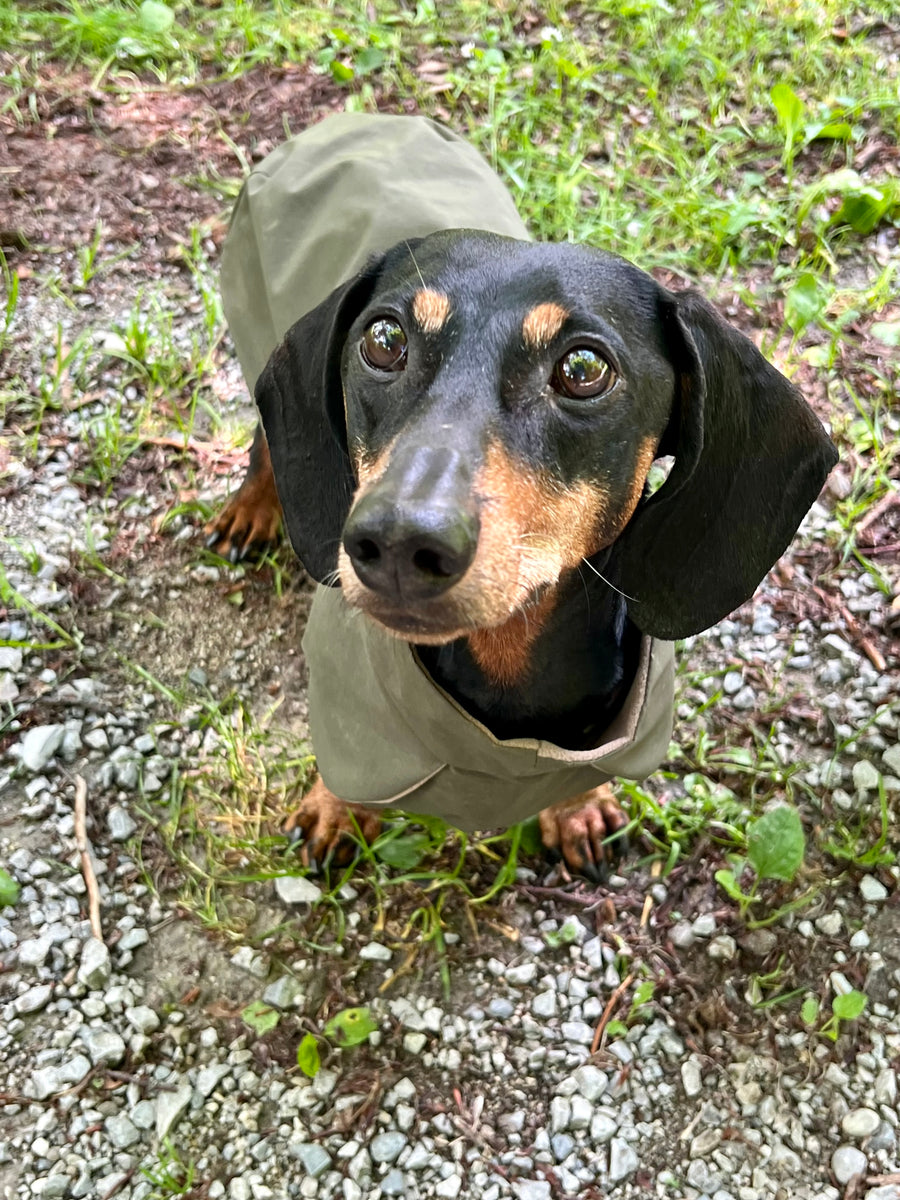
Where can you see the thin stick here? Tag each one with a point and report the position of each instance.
(87, 867)
(607, 1012)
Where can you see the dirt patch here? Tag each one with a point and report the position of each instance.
(147, 161)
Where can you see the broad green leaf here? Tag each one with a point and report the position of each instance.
(805, 302)
(351, 1026)
(9, 889)
(887, 332)
(789, 109)
(837, 131)
(775, 844)
(848, 1007)
(404, 852)
(155, 17)
(260, 1017)
(341, 72)
(616, 1029)
(809, 1010)
(369, 59)
(643, 993)
(865, 209)
(308, 1056)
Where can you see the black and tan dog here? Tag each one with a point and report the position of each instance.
(459, 435)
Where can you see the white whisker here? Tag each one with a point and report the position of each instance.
(608, 583)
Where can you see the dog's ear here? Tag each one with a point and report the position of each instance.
(750, 459)
(301, 403)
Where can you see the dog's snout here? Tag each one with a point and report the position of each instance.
(414, 534)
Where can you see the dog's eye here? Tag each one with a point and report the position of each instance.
(383, 346)
(582, 374)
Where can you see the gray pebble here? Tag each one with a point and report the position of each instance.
(501, 1008)
(522, 974)
(544, 1005)
(120, 823)
(578, 1031)
(94, 970)
(623, 1160)
(385, 1147)
(142, 1018)
(170, 1106)
(122, 1132)
(704, 926)
(284, 992)
(848, 1162)
(47, 1081)
(865, 776)
(315, 1158)
(103, 1046)
(591, 1082)
(691, 1078)
(531, 1189)
(33, 999)
(394, 1184)
(39, 745)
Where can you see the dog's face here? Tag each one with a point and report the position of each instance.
(472, 417)
(504, 403)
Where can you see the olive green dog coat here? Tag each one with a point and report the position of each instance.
(384, 733)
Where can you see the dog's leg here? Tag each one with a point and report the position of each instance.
(576, 829)
(251, 517)
(326, 825)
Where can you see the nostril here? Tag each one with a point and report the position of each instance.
(429, 562)
(366, 551)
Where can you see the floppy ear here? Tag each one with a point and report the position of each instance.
(750, 459)
(301, 403)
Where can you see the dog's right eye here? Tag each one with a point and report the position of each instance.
(383, 346)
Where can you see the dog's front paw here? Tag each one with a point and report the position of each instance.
(586, 832)
(328, 828)
(249, 521)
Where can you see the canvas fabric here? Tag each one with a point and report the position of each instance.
(307, 219)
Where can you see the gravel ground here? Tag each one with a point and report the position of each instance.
(125, 1069)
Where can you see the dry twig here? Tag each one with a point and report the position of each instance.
(84, 849)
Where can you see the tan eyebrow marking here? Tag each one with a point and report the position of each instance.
(430, 310)
(542, 324)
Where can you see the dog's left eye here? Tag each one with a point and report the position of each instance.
(383, 346)
(582, 374)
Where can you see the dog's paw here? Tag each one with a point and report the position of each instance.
(586, 832)
(249, 522)
(328, 828)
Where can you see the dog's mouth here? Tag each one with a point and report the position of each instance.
(467, 608)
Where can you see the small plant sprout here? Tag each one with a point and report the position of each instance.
(775, 850)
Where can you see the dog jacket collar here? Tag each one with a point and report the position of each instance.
(385, 734)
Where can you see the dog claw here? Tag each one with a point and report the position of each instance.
(586, 832)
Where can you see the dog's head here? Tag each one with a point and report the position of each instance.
(472, 417)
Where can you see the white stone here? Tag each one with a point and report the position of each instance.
(170, 1106)
(847, 1162)
(591, 1082)
(295, 889)
(872, 890)
(623, 1160)
(39, 745)
(375, 952)
(691, 1077)
(860, 1122)
(94, 969)
(531, 1189)
(142, 1018)
(865, 776)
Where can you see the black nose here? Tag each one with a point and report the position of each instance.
(409, 555)
(415, 533)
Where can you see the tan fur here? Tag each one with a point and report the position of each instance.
(542, 325)
(504, 651)
(369, 469)
(430, 310)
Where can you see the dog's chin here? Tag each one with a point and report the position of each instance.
(423, 630)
